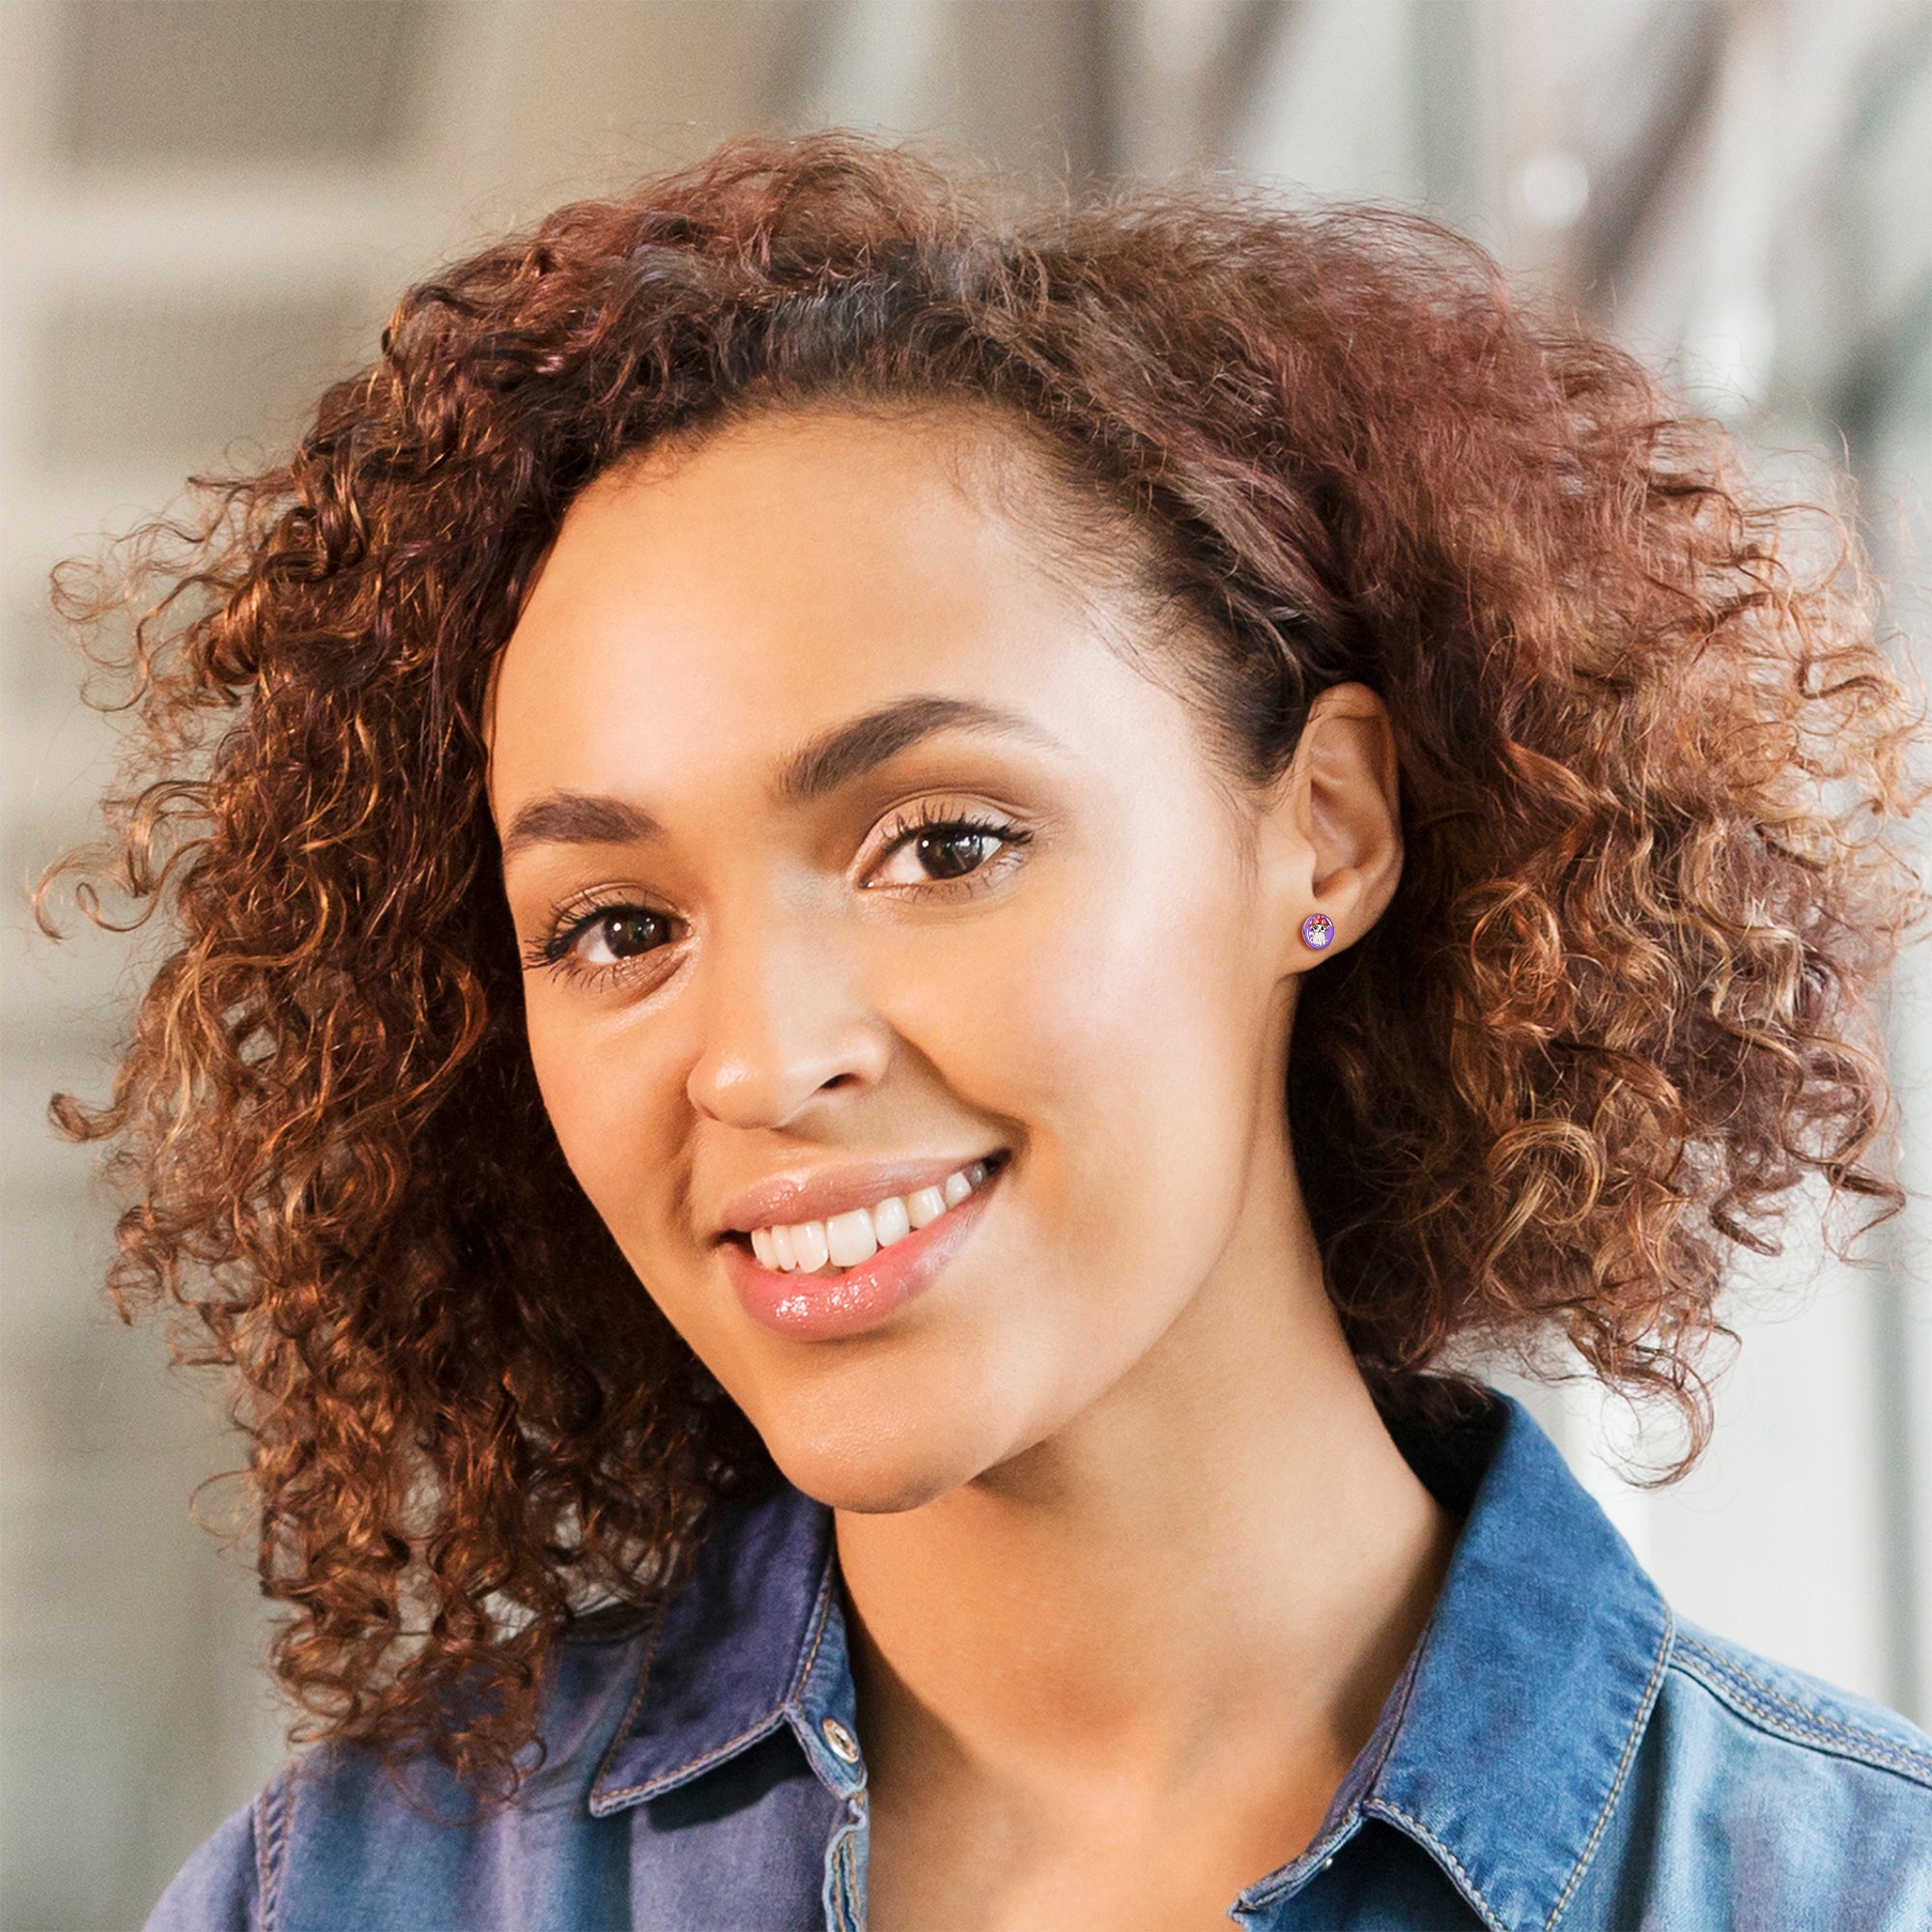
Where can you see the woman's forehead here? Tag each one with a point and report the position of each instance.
(856, 487)
(795, 569)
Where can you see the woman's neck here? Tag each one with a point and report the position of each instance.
(1212, 1577)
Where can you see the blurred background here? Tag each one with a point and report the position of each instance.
(208, 206)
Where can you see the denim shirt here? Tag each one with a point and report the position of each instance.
(1559, 1751)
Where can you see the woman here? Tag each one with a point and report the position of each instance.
(891, 923)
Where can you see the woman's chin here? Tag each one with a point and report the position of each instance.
(878, 1472)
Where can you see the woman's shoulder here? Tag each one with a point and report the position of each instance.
(1779, 1716)
(1793, 1802)
(343, 1836)
(219, 1889)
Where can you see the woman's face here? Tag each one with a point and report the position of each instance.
(850, 857)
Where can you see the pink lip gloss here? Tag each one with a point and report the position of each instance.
(847, 1301)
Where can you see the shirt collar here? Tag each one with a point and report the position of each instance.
(754, 1640)
(1500, 1752)
(1503, 1749)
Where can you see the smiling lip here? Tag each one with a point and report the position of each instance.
(823, 1307)
(790, 1198)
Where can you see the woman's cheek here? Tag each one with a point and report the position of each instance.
(1083, 1026)
(1093, 993)
(1003, 1010)
(593, 1074)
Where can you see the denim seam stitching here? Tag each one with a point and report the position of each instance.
(1472, 1890)
(623, 1731)
(1766, 1705)
(707, 1759)
(1636, 1730)
(271, 1821)
(842, 1876)
(821, 1612)
(849, 1892)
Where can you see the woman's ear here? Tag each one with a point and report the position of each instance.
(1334, 830)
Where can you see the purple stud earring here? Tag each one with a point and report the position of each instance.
(1317, 930)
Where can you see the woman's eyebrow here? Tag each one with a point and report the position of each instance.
(849, 751)
(834, 759)
(576, 819)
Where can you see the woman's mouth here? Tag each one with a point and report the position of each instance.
(844, 1240)
(817, 1280)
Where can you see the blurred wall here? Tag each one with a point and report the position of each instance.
(209, 205)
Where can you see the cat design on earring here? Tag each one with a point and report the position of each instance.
(1317, 929)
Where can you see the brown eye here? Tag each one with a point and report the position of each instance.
(932, 850)
(624, 932)
(952, 851)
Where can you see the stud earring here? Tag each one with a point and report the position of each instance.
(1317, 930)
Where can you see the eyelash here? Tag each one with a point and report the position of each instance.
(927, 816)
(571, 920)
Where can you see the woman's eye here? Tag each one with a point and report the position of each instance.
(953, 852)
(938, 853)
(624, 932)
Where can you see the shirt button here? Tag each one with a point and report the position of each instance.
(844, 1743)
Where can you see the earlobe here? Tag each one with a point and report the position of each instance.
(1340, 814)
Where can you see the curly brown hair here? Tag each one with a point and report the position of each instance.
(1619, 1007)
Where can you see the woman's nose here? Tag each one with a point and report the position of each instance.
(786, 1021)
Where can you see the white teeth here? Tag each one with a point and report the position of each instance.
(803, 1247)
(849, 1238)
(810, 1245)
